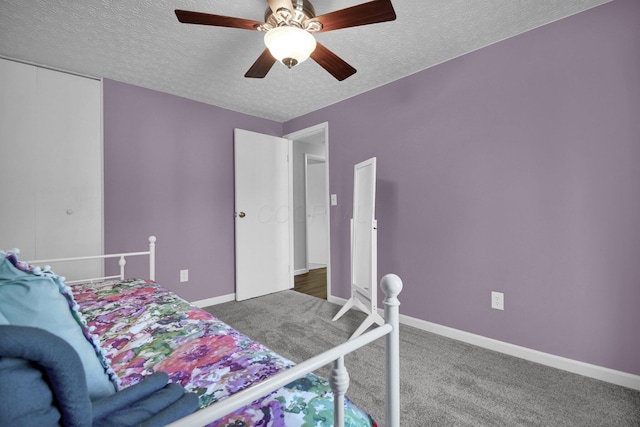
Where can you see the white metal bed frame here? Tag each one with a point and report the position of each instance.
(122, 262)
(339, 379)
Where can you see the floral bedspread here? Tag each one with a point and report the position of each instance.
(143, 328)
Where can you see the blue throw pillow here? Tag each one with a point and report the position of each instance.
(29, 298)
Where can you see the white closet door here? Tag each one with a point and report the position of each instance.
(17, 133)
(62, 173)
(69, 167)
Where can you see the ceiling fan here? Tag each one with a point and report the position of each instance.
(289, 26)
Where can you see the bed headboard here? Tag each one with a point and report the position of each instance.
(122, 262)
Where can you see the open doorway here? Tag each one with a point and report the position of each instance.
(311, 242)
(316, 211)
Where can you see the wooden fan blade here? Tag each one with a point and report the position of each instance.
(279, 4)
(332, 63)
(363, 14)
(188, 17)
(261, 67)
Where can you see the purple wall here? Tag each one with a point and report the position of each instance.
(514, 168)
(168, 171)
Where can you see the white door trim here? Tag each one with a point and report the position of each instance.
(321, 128)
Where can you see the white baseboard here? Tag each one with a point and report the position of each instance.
(588, 370)
(300, 271)
(620, 378)
(336, 300)
(214, 301)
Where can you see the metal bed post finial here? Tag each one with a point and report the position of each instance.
(152, 258)
(122, 262)
(392, 286)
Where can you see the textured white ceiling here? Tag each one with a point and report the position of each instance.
(142, 43)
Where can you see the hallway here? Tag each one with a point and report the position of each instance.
(313, 283)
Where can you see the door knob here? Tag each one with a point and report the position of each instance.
(242, 214)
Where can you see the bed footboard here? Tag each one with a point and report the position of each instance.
(121, 262)
(391, 286)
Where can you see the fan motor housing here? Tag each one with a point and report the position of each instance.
(303, 11)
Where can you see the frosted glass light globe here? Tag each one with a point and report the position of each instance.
(290, 45)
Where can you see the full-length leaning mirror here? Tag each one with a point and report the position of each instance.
(364, 269)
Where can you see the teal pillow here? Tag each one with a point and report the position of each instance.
(32, 298)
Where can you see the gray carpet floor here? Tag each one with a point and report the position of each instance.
(443, 382)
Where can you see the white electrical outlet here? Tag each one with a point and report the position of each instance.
(184, 275)
(497, 300)
(334, 200)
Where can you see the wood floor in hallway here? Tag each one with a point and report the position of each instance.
(313, 283)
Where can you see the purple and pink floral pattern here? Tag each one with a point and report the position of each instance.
(144, 328)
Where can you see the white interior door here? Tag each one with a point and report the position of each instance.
(263, 224)
(316, 211)
(51, 165)
(69, 130)
(18, 100)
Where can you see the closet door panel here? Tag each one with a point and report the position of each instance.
(17, 135)
(69, 168)
(50, 165)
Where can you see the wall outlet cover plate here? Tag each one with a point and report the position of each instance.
(497, 300)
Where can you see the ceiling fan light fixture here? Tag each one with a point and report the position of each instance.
(290, 45)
